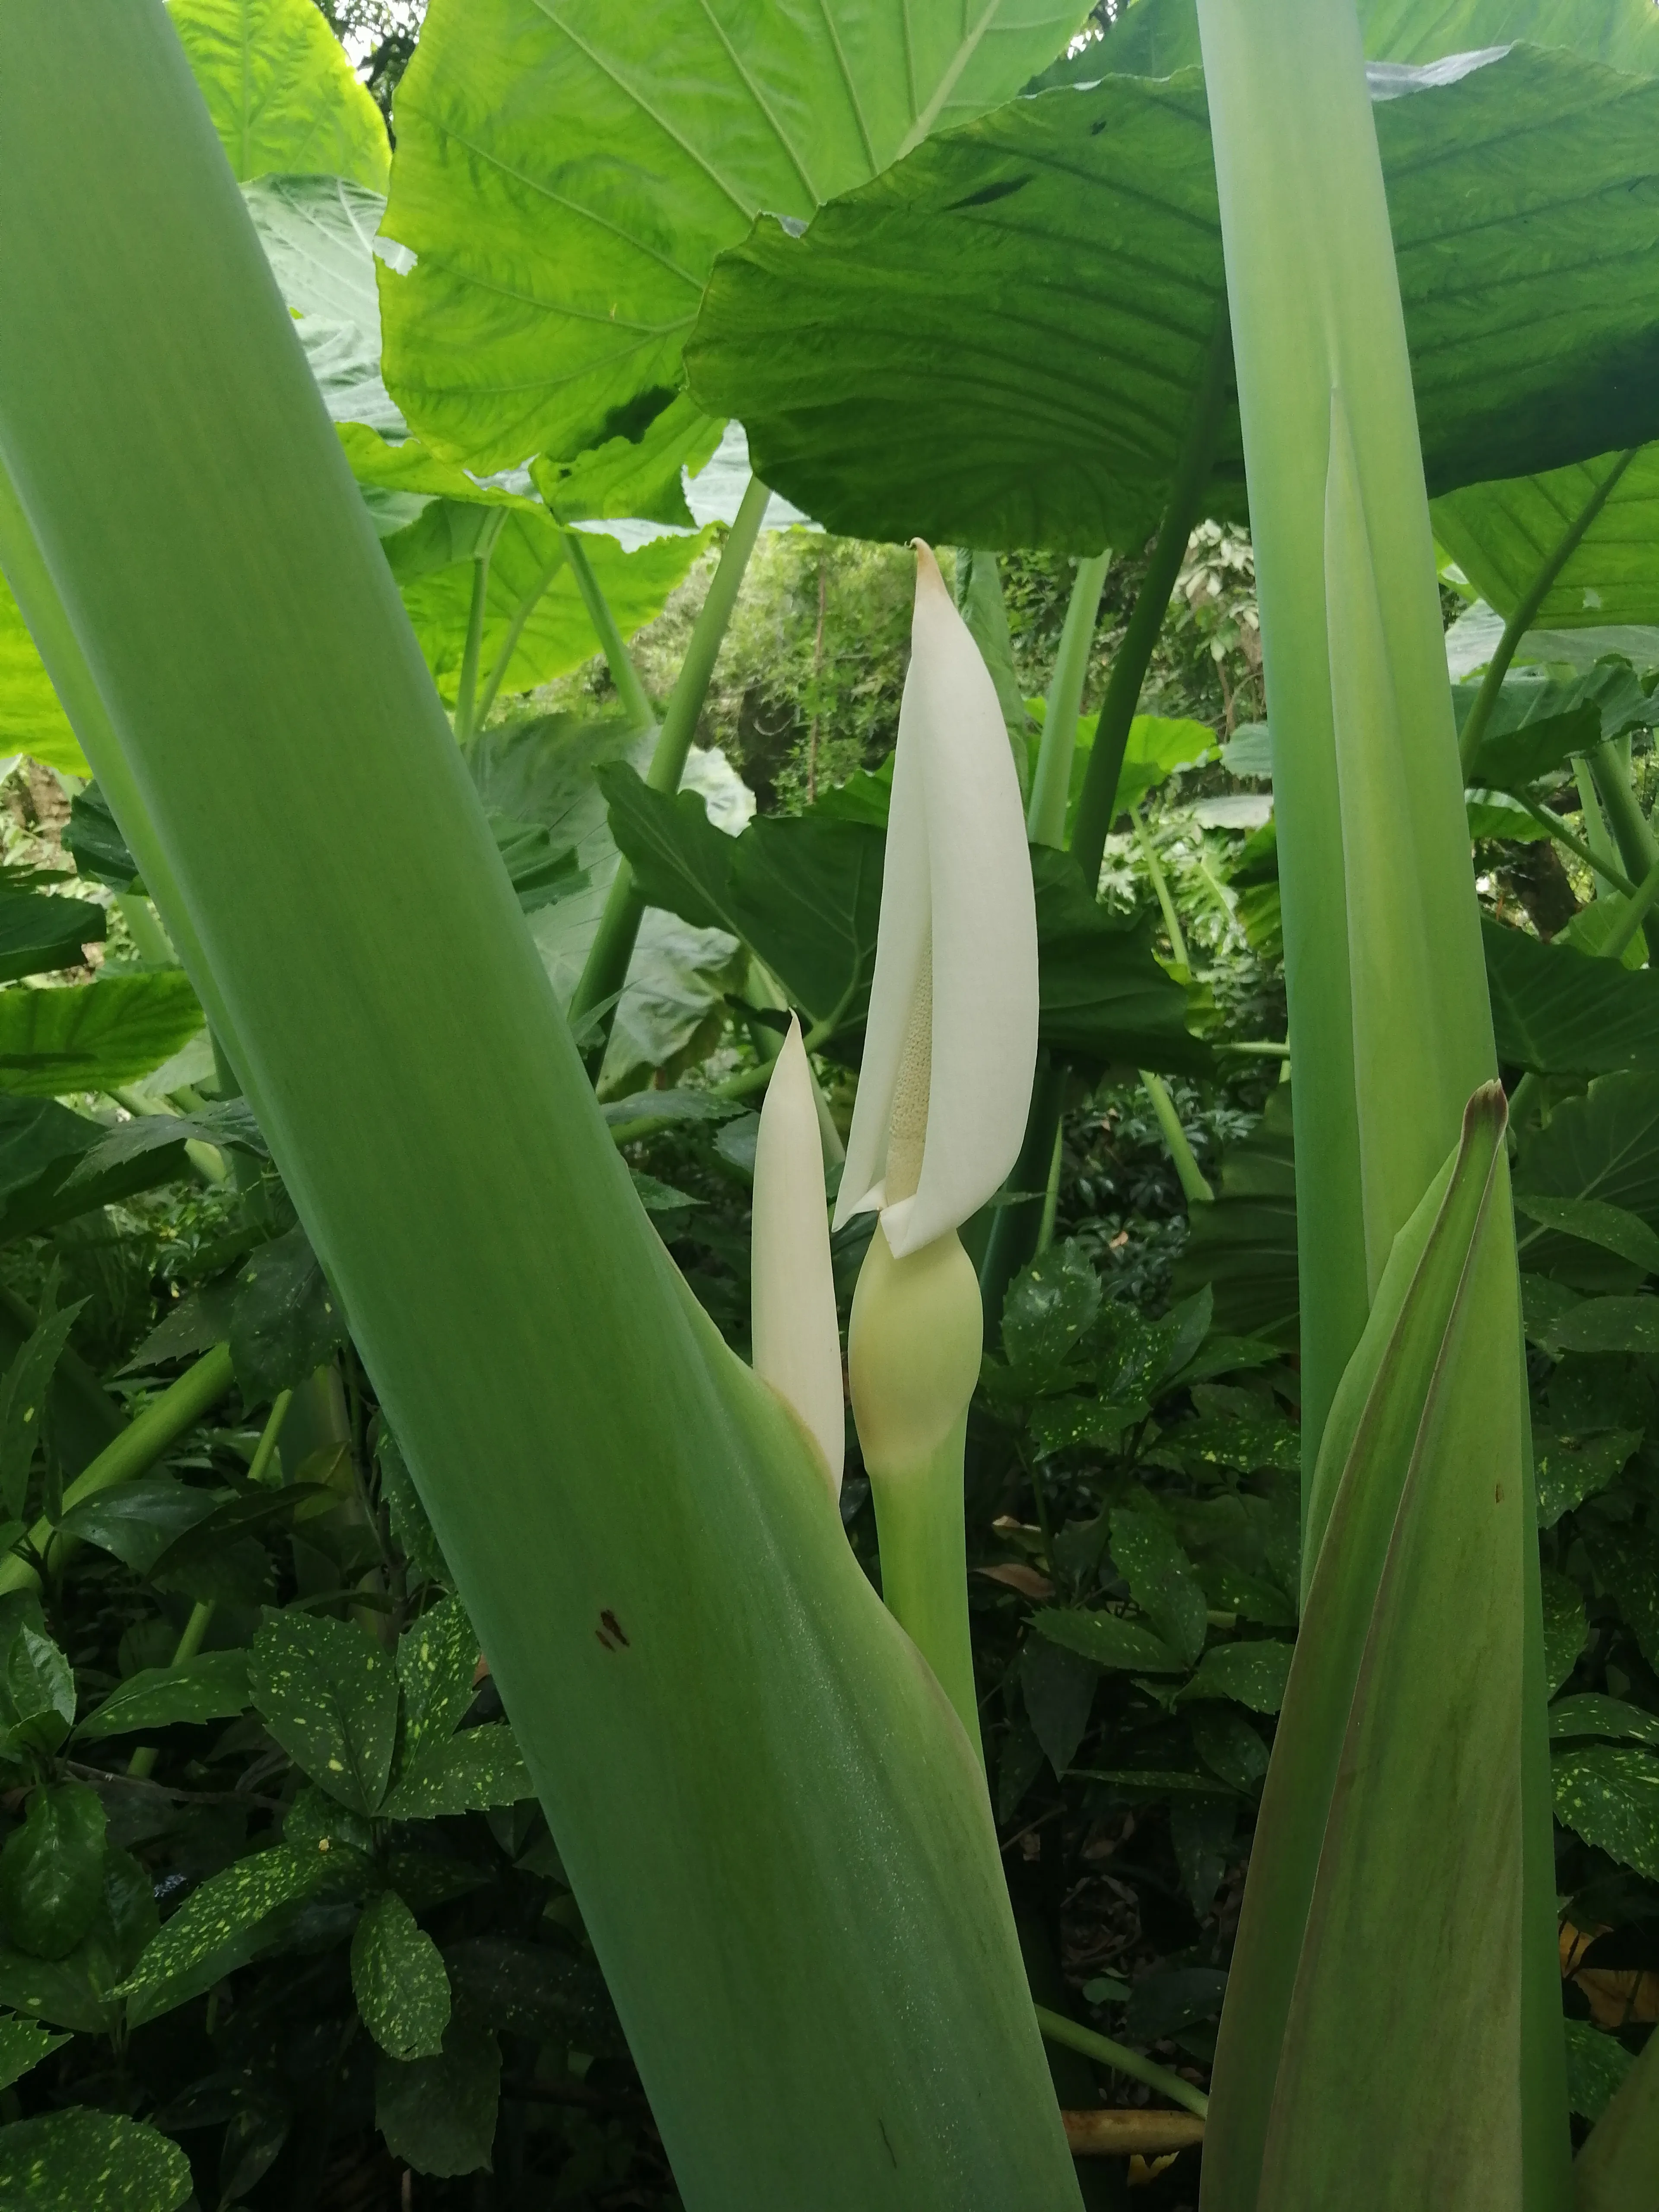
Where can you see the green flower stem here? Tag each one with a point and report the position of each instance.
(467, 684)
(1161, 885)
(265, 1448)
(1635, 840)
(1057, 2028)
(521, 614)
(141, 1765)
(1603, 864)
(1624, 929)
(134, 1452)
(924, 1567)
(1051, 787)
(143, 924)
(1181, 517)
(1195, 1187)
(605, 970)
(1524, 613)
(1017, 1221)
(618, 657)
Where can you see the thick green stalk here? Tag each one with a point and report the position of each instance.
(521, 614)
(1161, 885)
(1598, 855)
(1391, 1030)
(618, 657)
(1194, 1186)
(141, 1765)
(1524, 613)
(1051, 787)
(605, 970)
(1017, 1221)
(134, 1452)
(466, 685)
(264, 1451)
(1133, 657)
(1056, 2028)
(820, 1936)
(1637, 846)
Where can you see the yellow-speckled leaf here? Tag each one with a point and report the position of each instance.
(397, 1977)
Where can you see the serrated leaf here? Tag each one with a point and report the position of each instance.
(1161, 1580)
(471, 1773)
(284, 1320)
(1108, 1640)
(1048, 1306)
(1590, 1713)
(437, 1660)
(397, 1977)
(228, 1905)
(1596, 2066)
(211, 1687)
(1566, 1630)
(329, 1695)
(37, 1697)
(1567, 1470)
(75, 2161)
(1252, 1674)
(136, 1522)
(23, 2044)
(51, 1870)
(1609, 1795)
(438, 2114)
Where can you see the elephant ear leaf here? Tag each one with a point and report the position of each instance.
(281, 92)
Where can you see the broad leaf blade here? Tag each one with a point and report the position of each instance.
(280, 90)
(94, 1036)
(611, 153)
(398, 1980)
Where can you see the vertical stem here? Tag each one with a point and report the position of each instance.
(266, 1447)
(1629, 825)
(467, 684)
(141, 1765)
(1051, 787)
(1051, 1197)
(1194, 1186)
(818, 678)
(617, 659)
(1160, 884)
(1017, 1221)
(1522, 616)
(526, 607)
(149, 939)
(920, 1527)
(607, 968)
(1598, 845)
(1181, 517)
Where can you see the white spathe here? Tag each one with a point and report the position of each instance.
(797, 1341)
(958, 925)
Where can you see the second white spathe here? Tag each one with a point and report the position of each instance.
(950, 1044)
(796, 1337)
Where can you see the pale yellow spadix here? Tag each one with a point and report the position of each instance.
(797, 1344)
(951, 1039)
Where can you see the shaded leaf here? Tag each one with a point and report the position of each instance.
(1229, 1746)
(1252, 1674)
(23, 2044)
(1244, 1245)
(1200, 1830)
(637, 474)
(533, 1989)
(1161, 1580)
(1609, 1795)
(1048, 1306)
(74, 2161)
(1606, 1325)
(213, 1686)
(1559, 1011)
(39, 932)
(137, 1521)
(37, 1696)
(397, 1977)
(285, 1320)
(1107, 1640)
(1059, 1691)
(471, 1773)
(226, 1906)
(1567, 1470)
(51, 1871)
(1104, 1001)
(1613, 1227)
(94, 1036)
(1596, 2065)
(95, 842)
(25, 1393)
(437, 1660)
(329, 1695)
(1566, 1630)
(1590, 1713)
(438, 2114)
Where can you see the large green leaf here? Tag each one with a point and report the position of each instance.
(1406, 1684)
(1602, 1147)
(1501, 533)
(51, 1871)
(397, 1977)
(211, 1687)
(319, 236)
(92, 1036)
(1104, 1001)
(582, 1438)
(566, 173)
(1157, 37)
(280, 90)
(1001, 340)
(1243, 1246)
(1561, 1012)
(39, 934)
(531, 585)
(31, 720)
